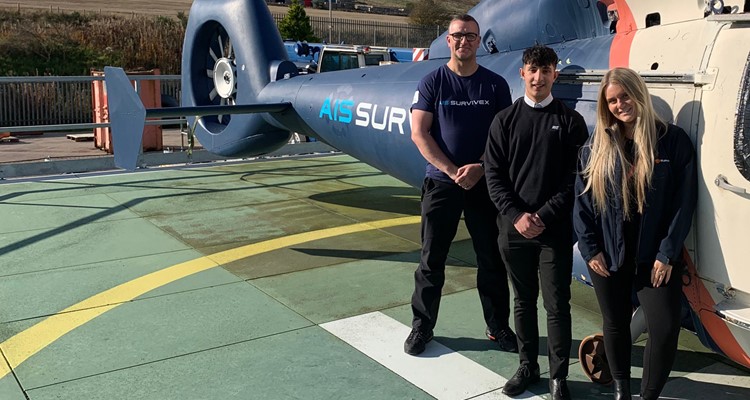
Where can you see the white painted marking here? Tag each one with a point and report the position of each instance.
(439, 371)
(716, 381)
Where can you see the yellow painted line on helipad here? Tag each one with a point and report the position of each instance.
(25, 344)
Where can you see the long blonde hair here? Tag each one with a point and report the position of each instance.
(608, 146)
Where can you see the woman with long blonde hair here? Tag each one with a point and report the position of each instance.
(635, 197)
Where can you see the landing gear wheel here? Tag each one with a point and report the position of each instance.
(594, 359)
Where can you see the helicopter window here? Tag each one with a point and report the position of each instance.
(742, 126)
(653, 19)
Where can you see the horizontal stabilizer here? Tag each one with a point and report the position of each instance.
(127, 115)
(202, 111)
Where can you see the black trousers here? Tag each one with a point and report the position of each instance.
(545, 261)
(442, 205)
(661, 307)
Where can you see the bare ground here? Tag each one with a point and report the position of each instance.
(163, 7)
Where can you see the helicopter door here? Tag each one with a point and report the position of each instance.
(723, 214)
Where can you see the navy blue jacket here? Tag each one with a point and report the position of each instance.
(667, 215)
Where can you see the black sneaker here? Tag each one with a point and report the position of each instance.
(505, 338)
(524, 377)
(417, 341)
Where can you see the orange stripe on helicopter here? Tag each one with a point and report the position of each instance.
(702, 304)
(619, 53)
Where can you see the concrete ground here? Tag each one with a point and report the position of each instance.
(53, 153)
(267, 279)
(49, 146)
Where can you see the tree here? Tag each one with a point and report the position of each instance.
(429, 13)
(296, 24)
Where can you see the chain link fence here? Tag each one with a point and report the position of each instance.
(389, 34)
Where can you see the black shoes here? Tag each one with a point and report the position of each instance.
(417, 341)
(524, 377)
(622, 389)
(505, 338)
(558, 389)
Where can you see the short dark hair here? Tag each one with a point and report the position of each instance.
(540, 56)
(464, 18)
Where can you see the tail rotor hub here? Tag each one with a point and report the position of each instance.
(225, 78)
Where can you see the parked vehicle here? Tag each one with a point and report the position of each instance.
(339, 57)
(321, 57)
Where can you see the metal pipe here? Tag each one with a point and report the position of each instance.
(38, 79)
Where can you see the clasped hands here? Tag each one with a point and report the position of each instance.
(468, 175)
(529, 225)
(660, 273)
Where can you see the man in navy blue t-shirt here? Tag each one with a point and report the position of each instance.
(451, 114)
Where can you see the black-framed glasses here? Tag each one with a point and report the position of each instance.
(470, 37)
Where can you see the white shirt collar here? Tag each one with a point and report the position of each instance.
(543, 104)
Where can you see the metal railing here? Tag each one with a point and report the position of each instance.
(390, 34)
(60, 102)
(67, 102)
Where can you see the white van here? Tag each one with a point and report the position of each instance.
(338, 57)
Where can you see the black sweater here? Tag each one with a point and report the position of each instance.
(530, 161)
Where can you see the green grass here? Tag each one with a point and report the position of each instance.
(53, 43)
(50, 43)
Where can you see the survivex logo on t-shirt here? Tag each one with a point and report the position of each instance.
(464, 103)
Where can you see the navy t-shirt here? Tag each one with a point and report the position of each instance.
(463, 108)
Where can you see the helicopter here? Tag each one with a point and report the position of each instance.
(244, 97)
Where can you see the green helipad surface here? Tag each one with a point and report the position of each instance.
(279, 279)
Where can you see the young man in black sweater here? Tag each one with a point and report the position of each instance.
(530, 165)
